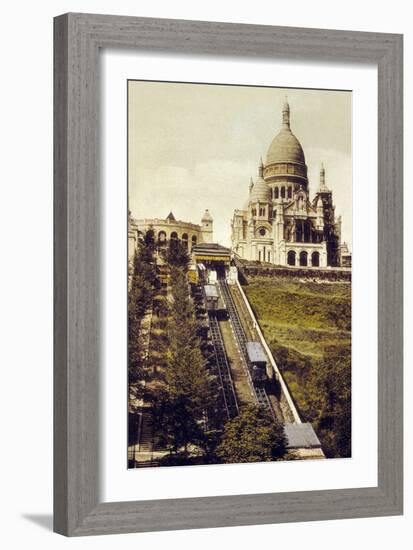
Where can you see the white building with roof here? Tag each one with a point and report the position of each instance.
(190, 234)
(280, 223)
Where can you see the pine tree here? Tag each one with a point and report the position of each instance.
(187, 375)
(191, 390)
(140, 298)
(176, 254)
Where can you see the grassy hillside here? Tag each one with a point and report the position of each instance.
(308, 328)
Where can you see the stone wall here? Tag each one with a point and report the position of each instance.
(254, 269)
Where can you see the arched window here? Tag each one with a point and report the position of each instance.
(291, 257)
(303, 258)
(315, 259)
(262, 231)
(193, 240)
(185, 240)
(290, 192)
(174, 236)
(283, 192)
(276, 193)
(161, 237)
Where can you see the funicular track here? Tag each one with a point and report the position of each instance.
(259, 392)
(224, 372)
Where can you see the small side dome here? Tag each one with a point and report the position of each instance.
(260, 192)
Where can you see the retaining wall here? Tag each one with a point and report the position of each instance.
(321, 274)
(286, 402)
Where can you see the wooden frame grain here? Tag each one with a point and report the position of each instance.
(78, 39)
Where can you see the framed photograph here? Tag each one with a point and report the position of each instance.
(228, 274)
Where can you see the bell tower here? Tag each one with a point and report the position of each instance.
(207, 227)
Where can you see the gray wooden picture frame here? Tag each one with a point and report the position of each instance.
(78, 39)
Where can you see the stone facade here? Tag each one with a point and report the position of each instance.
(345, 255)
(280, 223)
(189, 234)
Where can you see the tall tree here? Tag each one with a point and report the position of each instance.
(175, 424)
(187, 375)
(140, 298)
(176, 254)
(191, 390)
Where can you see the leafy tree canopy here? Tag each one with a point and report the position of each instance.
(252, 436)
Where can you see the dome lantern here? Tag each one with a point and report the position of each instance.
(261, 169)
(286, 114)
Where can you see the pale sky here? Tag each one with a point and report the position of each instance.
(195, 146)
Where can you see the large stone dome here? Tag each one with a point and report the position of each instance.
(285, 147)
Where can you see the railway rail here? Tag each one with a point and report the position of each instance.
(224, 372)
(260, 394)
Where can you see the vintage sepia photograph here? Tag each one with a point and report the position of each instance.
(239, 274)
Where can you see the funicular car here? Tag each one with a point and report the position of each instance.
(257, 362)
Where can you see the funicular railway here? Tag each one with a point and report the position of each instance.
(244, 364)
(208, 297)
(224, 372)
(259, 391)
(236, 353)
(213, 263)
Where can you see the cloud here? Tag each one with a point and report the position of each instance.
(216, 185)
(194, 147)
